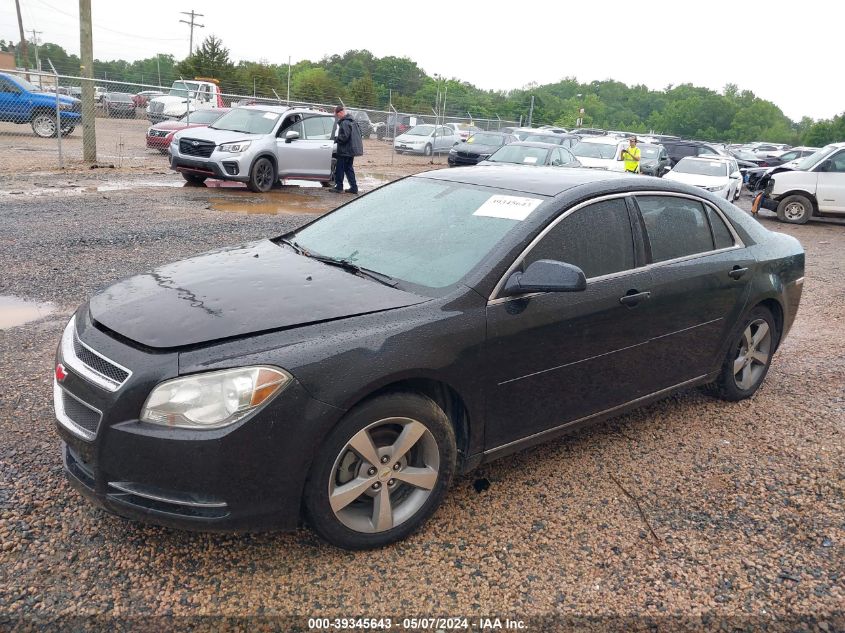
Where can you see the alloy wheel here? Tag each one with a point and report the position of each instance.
(44, 126)
(384, 475)
(264, 175)
(753, 355)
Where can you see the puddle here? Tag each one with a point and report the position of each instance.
(284, 204)
(15, 311)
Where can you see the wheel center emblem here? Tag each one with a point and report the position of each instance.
(384, 474)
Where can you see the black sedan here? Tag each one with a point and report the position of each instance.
(539, 154)
(346, 372)
(478, 147)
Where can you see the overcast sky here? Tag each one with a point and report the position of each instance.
(788, 52)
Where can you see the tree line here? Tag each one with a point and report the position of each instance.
(361, 79)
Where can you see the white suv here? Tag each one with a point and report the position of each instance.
(816, 187)
(258, 145)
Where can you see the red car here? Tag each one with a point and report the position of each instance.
(161, 134)
(142, 98)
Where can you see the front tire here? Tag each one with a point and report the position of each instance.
(44, 125)
(427, 151)
(749, 357)
(795, 210)
(381, 472)
(261, 176)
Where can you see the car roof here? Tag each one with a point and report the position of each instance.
(604, 140)
(534, 144)
(279, 109)
(709, 158)
(544, 181)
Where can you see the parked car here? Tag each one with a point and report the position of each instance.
(463, 130)
(566, 140)
(794, 154)
(713, 173)
(599, 152)
(789, 159)
(588, 131)
(477, 147)
(22, 102)
(99, 93)
(654, 161)
(160, 135)
(678, 149)
(754, 159)
(346, 372)
(119, 104)
(426, 140)
(401, 123)
(143, 98)
(363, 120)
(816, 187)
(258, 145)
(530, 153)
(184, 97)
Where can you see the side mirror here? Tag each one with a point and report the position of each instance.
(292, 135)
(463, 140)
(546, 275)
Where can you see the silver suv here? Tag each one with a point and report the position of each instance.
(258, 145)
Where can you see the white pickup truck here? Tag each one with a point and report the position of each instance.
(816, 186)
(184, 96)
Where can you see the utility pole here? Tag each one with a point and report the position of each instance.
(35, 35)
(192, 24)
(24, 53)
(86, 70)
(531, 111)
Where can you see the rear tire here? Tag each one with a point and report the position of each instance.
(193, 178)
(749, 357)
(381, 472)
(261, 176)
(795, 210)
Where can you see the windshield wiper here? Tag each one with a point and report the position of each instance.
(294, 246)
(355, 269)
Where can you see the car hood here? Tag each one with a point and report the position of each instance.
(172, 125)
(206, 133)
(605, 163)
(237, 291)
(62, 98)
(697, 180)
(472, 148)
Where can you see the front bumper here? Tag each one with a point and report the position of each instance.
(229, 169)
(247, 476)
(158, 142)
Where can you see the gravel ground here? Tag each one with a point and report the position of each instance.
(688, 514)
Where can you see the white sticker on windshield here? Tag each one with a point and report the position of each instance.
(508, 207)
(530, 160)
(271, 115)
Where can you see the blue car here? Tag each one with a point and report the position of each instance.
(22, 102)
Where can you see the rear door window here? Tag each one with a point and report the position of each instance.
(596, 238)
(676, 227)
(722, 237)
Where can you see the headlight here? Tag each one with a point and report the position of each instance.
(213, 399)
(718, 188)
(235, 148)
(65, 106)
(453, 151)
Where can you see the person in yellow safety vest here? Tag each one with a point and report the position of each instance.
(631, 156)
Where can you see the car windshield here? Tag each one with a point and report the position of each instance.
(701, 167)
(202, 117)
(606, 151)
(421, 130)
(520, 155)
(180, 88)
(743, 155)
(544, 138)
(120, 97)
(486, 139)
(23, 83)
(649, 151)
(247, 121)
(424, 231)
(814, 159)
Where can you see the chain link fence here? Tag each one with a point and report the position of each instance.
(34, 105)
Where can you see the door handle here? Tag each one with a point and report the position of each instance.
(737, 272)
(632, 298)
(325, 146)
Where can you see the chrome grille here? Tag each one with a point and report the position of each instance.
(196, 147)
(89, 364)
(76, 416)
(160, 133)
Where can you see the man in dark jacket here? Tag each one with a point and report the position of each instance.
(350, 144)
